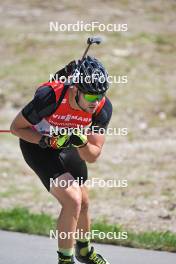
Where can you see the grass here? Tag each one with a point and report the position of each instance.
(22, 220)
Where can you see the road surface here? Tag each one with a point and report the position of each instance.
(18, 248)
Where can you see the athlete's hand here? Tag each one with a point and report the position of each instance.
(60, 141)
(77, 139)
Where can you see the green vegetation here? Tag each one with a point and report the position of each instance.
(22, 220)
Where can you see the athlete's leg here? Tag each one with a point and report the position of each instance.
(83, 225)
(84, 218)
(70, 198)
(84, 252)
(48, 165)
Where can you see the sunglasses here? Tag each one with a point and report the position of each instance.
(93, 97)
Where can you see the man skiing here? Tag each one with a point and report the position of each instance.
(63, 157)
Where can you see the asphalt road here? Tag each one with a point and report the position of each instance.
(17, 248)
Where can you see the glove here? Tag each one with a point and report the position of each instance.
(61, 141)
(78, 140)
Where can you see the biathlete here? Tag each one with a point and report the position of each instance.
(63, 157)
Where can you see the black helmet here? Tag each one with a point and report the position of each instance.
(91, 76)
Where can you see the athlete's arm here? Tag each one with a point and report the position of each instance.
(21, 128)
(92, 150)
(42, 104)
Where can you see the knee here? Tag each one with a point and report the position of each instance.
(74, 203)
